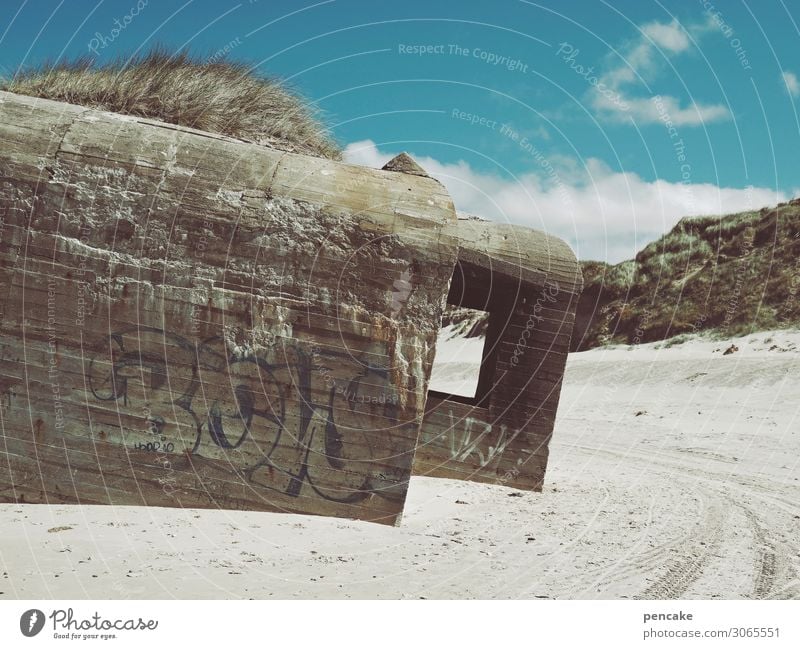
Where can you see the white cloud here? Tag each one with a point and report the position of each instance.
(642, 111)
(646, 111)
(602, 213)
(644, 58)
(792, 83)
(670, 36)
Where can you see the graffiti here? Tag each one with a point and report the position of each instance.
(155, 447)
(287, 426)
(471, 438)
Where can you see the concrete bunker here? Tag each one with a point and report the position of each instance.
(188, 320)
(529, 283)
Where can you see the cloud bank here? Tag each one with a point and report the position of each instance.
(603, 214)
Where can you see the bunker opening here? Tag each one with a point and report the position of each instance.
(479, 303)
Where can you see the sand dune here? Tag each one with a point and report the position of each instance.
(674, 473)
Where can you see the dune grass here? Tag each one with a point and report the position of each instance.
(217, 96)
(730, 275)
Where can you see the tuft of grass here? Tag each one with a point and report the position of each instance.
(675, 340)
(221, 97)
(469, 323)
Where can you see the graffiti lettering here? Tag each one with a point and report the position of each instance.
(469, 437)
(283, 426)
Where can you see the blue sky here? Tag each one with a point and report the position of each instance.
(601, 122)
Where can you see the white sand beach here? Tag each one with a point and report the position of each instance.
(674, 472)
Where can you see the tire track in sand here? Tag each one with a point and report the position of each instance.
(695, 553)
(766, 563)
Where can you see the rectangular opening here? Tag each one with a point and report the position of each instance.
(459, 353)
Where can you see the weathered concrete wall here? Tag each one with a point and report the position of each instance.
(529, 283)
(192, 321)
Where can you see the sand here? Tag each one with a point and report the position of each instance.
(674, 472)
